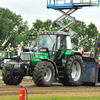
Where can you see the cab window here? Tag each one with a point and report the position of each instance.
(61, 43)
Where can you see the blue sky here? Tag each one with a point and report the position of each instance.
(31, 10)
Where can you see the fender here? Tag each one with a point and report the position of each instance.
(76, 52)
(85, 59)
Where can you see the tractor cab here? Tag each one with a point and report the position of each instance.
(55, 44)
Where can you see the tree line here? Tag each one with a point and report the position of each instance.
(14, 31)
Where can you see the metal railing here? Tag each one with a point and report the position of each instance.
(64, 2)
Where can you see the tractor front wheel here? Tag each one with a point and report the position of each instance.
(44, 74)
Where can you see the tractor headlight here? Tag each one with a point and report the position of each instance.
(27, 62)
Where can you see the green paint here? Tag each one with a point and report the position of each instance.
(34, 62)
(14, 56)
(41, 55)
(68, 52)
(38, 55)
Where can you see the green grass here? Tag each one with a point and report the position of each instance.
(52, 98)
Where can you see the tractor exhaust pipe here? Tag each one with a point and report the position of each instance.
(96, 48)
(38, 41)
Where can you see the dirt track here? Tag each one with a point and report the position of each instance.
(57, 89)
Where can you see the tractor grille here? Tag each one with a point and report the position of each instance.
(25, 56)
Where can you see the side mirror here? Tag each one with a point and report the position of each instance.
(33, 43)
(27, 39)
(30, 44)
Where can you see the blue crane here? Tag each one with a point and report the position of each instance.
(71, 6)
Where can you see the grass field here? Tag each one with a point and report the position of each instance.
(52, 98)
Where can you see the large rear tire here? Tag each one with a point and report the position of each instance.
(11, 78)
(73, 71)
(44, 74)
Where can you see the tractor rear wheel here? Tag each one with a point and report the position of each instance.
(44, 74)
(11, 78)
(73, 71)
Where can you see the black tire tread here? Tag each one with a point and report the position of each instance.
(67, 81)
(8, 78)
(38, 75)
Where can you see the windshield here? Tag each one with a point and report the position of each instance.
(46, 41)
(1, 54)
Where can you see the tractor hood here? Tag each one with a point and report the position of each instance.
(41, 55)
(34, 57)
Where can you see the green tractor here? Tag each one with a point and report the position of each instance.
(4, 54)
(51, 59)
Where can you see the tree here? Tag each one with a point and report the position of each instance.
(86, 34)
(92, 34)
(38, 25)
(12, 30)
